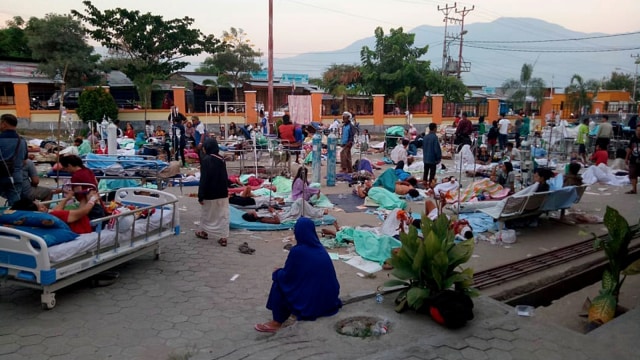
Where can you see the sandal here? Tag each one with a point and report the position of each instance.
(245, 249)
(202, 235)
(222, 242)
(266, 327)
(631, 192)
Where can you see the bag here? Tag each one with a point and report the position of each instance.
(450, 308)
(8, 165)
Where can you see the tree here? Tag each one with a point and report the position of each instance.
(619, 81)
(237, 61)
(341, 81)
(214, 86)
(151, 47)
(59, 42)
(394, 64)
(452, 88)
(526, 86)
(404, 95)
(13, 40)
(580, 94)
(94, 104)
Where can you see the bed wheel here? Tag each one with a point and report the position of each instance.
(48, 301)
(156, 255)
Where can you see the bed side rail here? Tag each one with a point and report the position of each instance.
(21, 260)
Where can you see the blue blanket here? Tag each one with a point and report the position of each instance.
(237, 222)
(94, 161)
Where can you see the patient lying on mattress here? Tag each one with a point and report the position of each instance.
(77, 219)
(298, 208)
(248, 199)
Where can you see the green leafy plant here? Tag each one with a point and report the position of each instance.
(430, 265)
(616, 247)
(96, 103)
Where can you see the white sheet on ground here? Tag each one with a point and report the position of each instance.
(604, 175)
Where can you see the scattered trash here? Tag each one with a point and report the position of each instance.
(196, 222)
(234, 277)
(360, 274)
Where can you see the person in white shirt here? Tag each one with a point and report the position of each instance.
(511, 153)
(503, 131)
(335, 125)
(199, 134)
(399, 153)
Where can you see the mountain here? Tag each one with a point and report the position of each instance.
(528, 40)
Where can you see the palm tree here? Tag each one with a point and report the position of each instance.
(405, 94)
(214, 86)
(526, 86)
(580, 94)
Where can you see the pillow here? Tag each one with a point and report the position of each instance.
(34, 219)
(125, 222)
(50, 236)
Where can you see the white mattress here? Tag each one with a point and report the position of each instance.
(88, 242)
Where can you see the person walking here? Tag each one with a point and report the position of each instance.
(213, 194)
(581, 139)
(432, 153)
(346, 142)
(526, 126)
(13, 152)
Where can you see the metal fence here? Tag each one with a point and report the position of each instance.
(472, 108)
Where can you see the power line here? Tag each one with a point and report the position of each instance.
(552, 50)
(551, 40)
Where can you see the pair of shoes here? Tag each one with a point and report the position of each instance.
(202, 235)
(222, 242)
(266, 327)
(245, 249)
(631, 192)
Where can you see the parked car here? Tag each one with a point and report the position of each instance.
(71, 97)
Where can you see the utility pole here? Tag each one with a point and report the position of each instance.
(445, 10)
(462, 13)
(635, 75)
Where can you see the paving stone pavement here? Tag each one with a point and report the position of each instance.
(185, 306)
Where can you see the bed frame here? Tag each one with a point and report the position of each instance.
(23, 265)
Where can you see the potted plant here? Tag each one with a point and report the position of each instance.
(616, 246)
(431, 268)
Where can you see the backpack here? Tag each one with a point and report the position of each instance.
(493, 133)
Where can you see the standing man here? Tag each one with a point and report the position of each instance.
(346, 143)
(518, 128)
(581, 139)
(432, 154)
(526, 126)
(605, 131)
(504, 125)
(13, 152)
(199, 134)
(633, 161)
(464, 130)
(179, 140)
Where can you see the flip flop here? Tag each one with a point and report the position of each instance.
(631, 192)
(265, 328)
(202, 235)
(222, 242)
(245, 249)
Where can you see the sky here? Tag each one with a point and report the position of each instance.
(301, 26)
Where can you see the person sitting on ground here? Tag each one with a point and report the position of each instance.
(307, 286)
(541, 176)
(77, 219)
(300, 187)
(511, 153)
(572, 178)
(399, 153)
(298, 208)
(248, 198)
(600, 156)
(483, 158)
(505, 176)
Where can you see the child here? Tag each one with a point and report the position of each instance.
(600, 156)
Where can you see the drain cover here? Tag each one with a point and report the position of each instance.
(362, 326)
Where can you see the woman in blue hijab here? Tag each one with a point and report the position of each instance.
(307, 286)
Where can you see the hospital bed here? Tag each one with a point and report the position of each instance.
(27, 260)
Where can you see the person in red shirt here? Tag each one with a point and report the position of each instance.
(286, 130)
(129, 131)
(77, 219)
(80, 174)
(600, 156)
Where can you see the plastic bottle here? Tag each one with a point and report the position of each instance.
(379, 298)
(380, 328)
